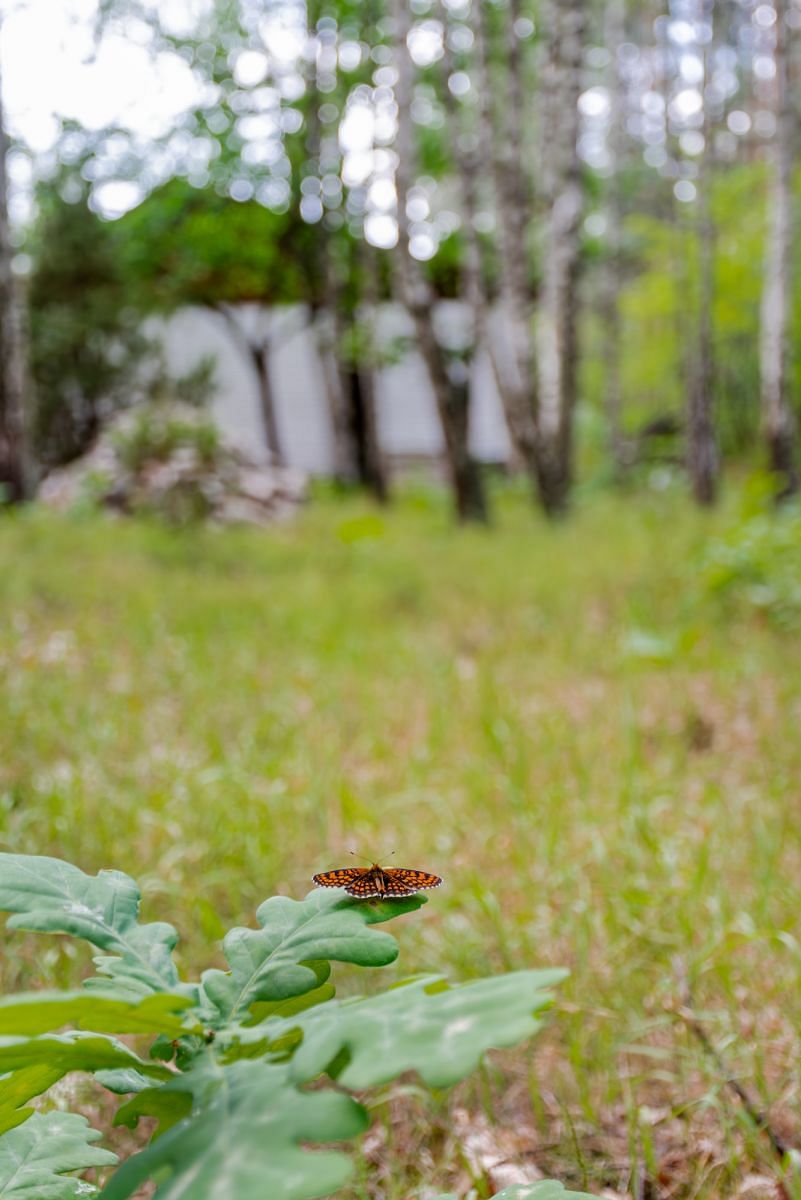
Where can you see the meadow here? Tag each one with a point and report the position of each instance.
(601, 758)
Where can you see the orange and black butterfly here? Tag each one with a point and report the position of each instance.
(376, 882)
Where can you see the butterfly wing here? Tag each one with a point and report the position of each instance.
(404, 881)
(367, 886)
(342, 877)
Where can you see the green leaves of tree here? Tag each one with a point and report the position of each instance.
(279, 960)
(244, 1138)
(51, 896)
(35, 1157)
(440, 1032)
(31, 1013)
(35, 1064)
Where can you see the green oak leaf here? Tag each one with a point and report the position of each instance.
(440, 1032)
(33, 1065)
(30, 1013)
(202, 1156)
(51, 896)
(165, 1105)
(35, 1157)
(20, 1087)
(123, 1081)
(279, 960)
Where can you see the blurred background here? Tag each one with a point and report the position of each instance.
(398, 450)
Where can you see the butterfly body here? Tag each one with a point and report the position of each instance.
(377, 882)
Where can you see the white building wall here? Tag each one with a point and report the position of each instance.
(407, 416)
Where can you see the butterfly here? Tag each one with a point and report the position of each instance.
(377, 882)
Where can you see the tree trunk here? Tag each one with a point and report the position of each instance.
(326, 268)
(259, 353)
(375, 468)
(614, 36)
(329, 330)
(702, 449)
(500, 146)
(774, 347)
(450, 387)
(557, 317)
(13, 374)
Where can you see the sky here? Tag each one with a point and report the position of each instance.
(52, 68)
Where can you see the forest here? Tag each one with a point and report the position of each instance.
(399, 458)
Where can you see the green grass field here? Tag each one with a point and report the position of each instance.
(603, 763)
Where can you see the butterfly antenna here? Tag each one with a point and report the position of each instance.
(361, 856)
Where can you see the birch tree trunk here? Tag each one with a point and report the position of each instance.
(375, 471)
(557, 316)
(778, 422)
(327, 269)
(500, 150)
(614, 36)
(448, 383)
(13, 373)
(702, 448)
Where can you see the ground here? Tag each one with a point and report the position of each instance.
(600, 758)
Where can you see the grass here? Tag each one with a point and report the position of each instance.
(602, 762)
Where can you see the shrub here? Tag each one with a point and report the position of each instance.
(155, 433)
(227, 1061)
(758, 563)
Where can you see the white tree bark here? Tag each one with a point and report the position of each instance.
(563, 196)
(614, 36)
(450, 393)
(501, 151)
(774, 352)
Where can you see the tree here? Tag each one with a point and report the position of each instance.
(611, 283)
(500, 145)
(558, 305)
(702, 449)
(778, 420)
(448, 376)
(87, 345)
(13, 368)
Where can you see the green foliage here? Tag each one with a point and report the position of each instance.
(88, 302)
(31, 1013)
(35, 1157)
(660, 300)
(757, 563)
(244, 1137)
(155, 433)
(232, 1108)
(272, 963)
(50, 896)
(370, 1041)
(85, 331)
(35, 1064)
(185, 245)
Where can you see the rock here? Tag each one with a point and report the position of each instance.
(170, 460)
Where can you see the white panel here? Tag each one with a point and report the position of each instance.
(407, 417)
